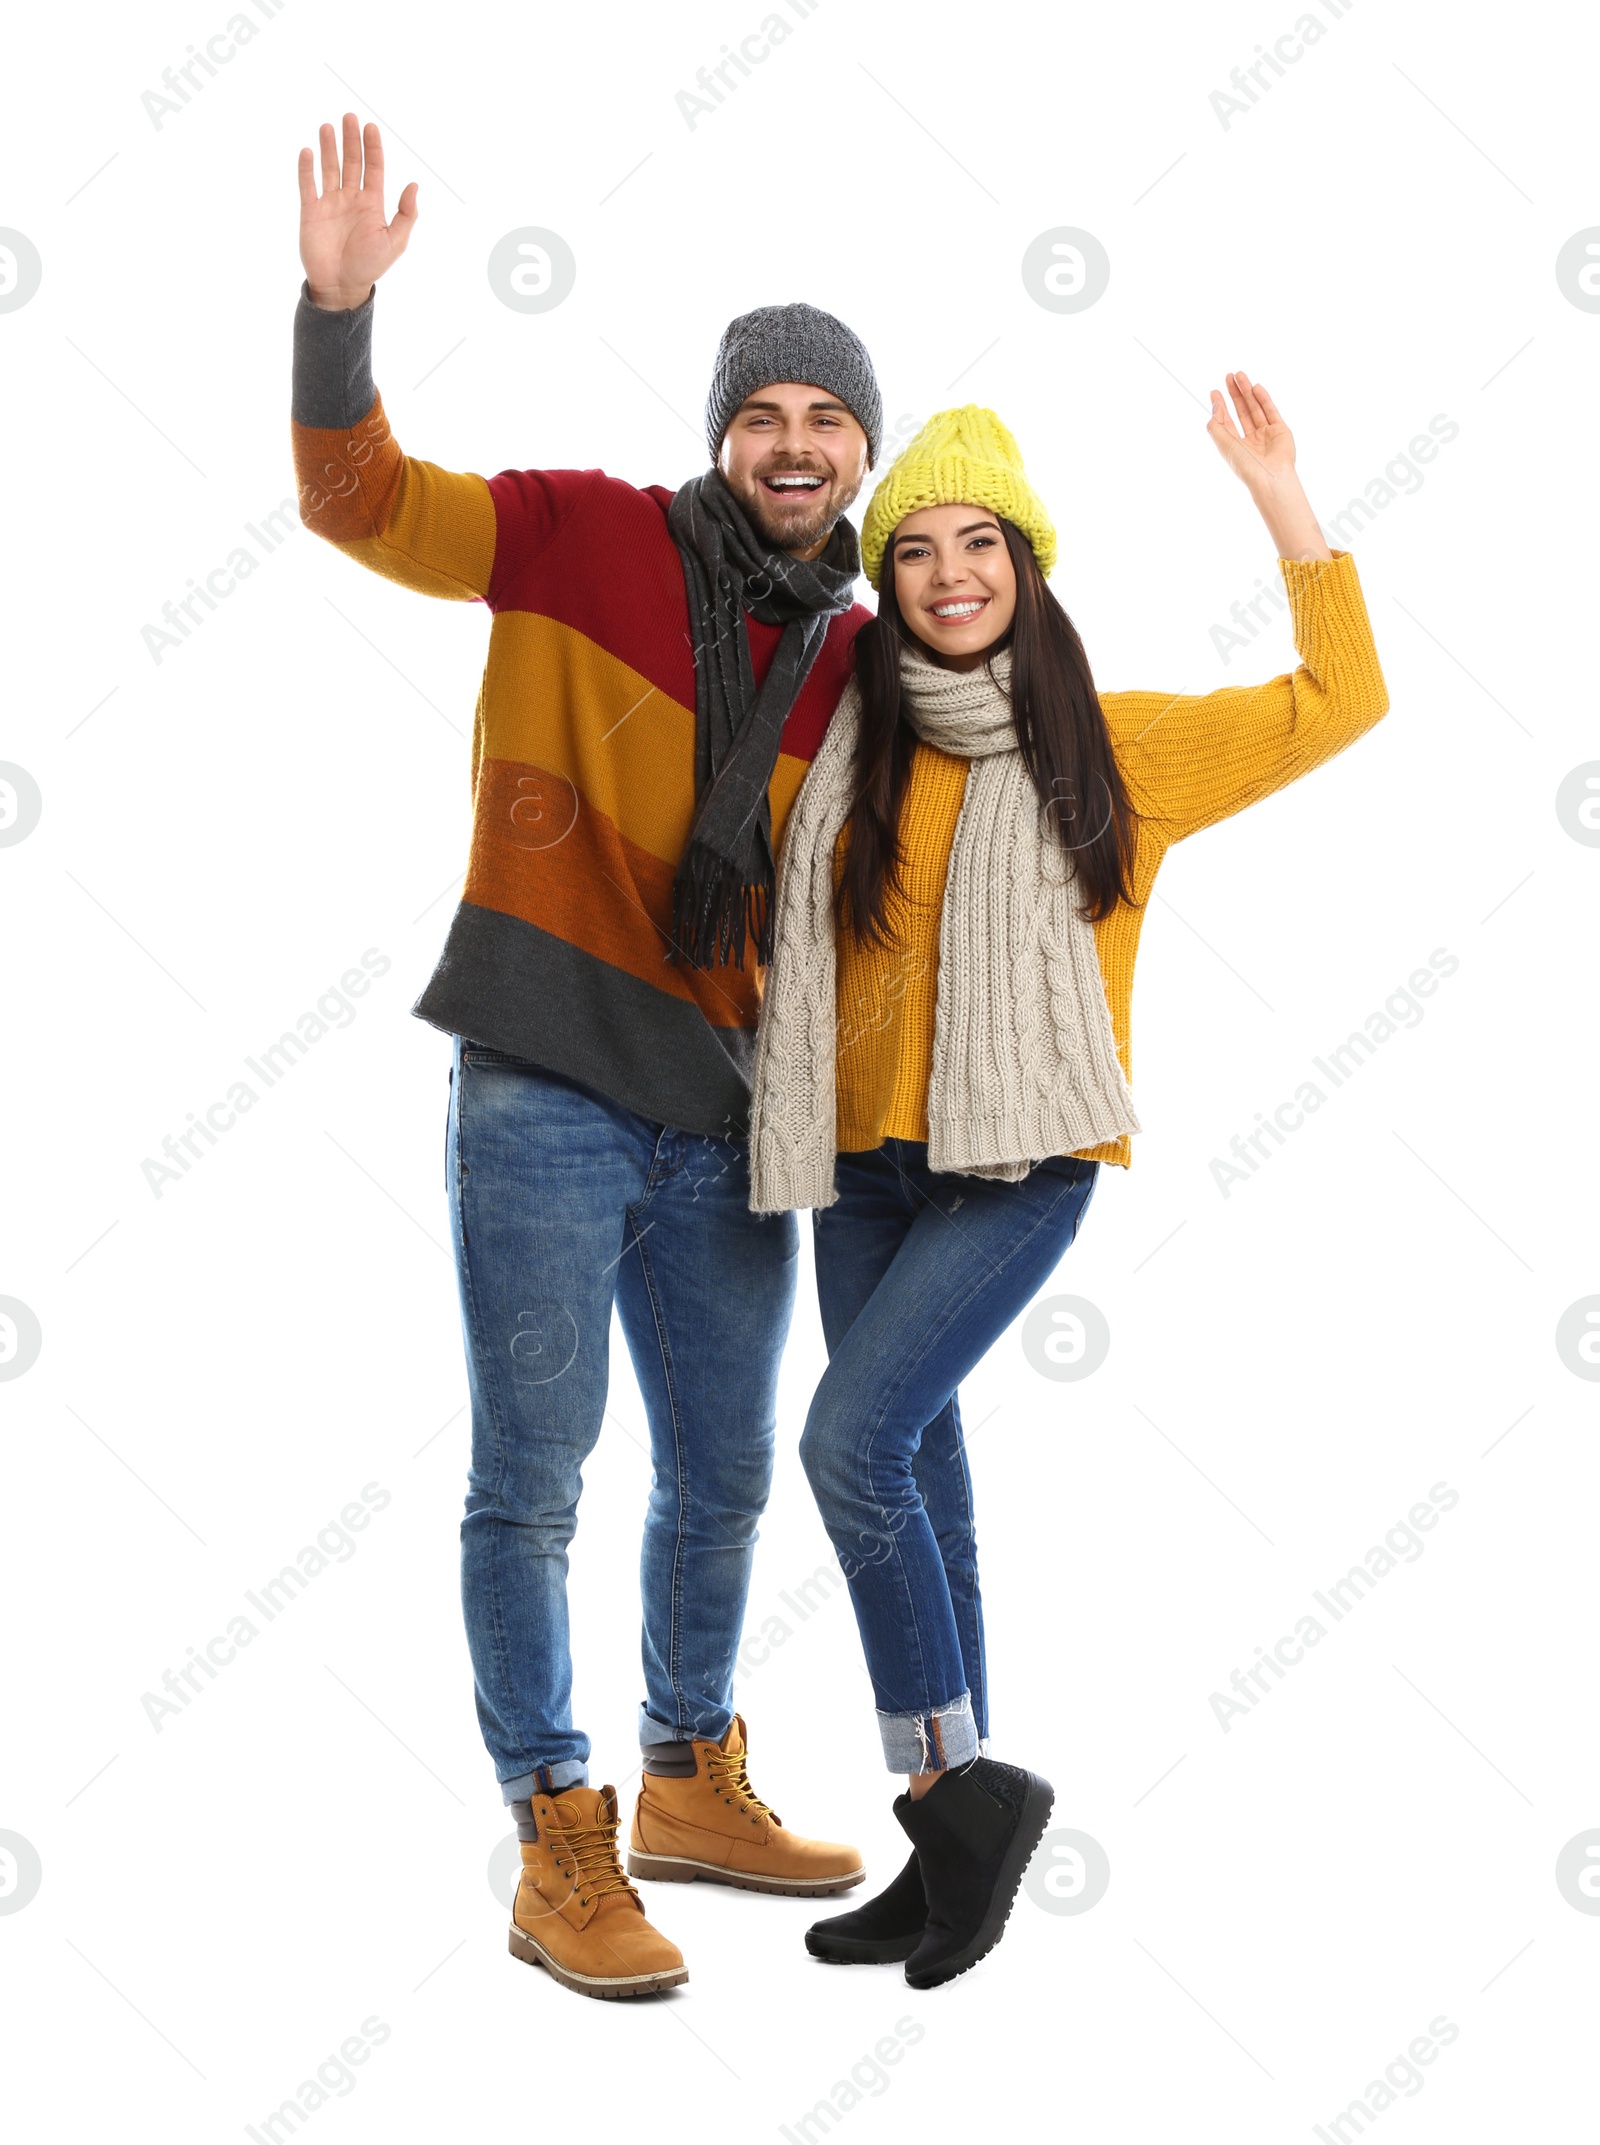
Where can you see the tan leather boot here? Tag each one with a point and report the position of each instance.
(576, 1914)
(714, 1825)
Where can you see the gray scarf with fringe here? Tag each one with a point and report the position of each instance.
(722, 890)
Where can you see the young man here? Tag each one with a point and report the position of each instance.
(661, 670)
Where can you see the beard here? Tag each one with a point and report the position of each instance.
(794, 528)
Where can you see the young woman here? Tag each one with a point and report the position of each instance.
(941, 1067)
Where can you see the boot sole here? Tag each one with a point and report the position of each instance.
(607, 1987)
(679, 1869)
(862, 1950)
(1030, 1830)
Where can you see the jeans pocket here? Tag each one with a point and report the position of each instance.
(482, 1054)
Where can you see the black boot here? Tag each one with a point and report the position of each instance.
(974, 1832)
(886, 1928)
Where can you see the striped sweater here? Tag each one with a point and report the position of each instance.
(582, 745)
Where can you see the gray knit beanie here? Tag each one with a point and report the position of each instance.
(792, 342)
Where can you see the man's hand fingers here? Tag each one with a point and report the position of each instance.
(308, 182)
(330, 159)
(405, 215)
(372, 176)
(350, 176)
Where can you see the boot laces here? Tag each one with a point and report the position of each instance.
(728, 1774)
(591, 1852)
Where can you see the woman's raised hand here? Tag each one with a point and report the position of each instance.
(345, 244)
(1260, 448)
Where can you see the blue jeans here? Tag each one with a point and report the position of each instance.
(918, 1275)
(564, 1203)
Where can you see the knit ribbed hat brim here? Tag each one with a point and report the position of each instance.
(960, 457)
(793, 342)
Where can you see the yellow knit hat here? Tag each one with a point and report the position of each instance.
(960, 457)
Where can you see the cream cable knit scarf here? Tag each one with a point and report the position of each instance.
(1024, 1060)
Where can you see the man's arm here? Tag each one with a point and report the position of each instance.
(431, 529)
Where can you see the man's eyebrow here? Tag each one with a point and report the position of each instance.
(825, 402)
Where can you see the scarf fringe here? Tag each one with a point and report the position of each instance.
(716, 913)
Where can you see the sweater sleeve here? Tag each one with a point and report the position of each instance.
(1192, 759)
(430, 529)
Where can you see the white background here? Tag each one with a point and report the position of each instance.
(1373, 1847)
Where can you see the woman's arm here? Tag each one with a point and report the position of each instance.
(1190, 759)
(1260, 452)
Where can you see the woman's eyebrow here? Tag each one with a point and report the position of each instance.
(916, 536)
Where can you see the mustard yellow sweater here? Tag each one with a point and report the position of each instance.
(1187, 761)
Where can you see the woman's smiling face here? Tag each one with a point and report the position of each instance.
(954, 581)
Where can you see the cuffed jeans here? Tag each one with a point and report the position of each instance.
(918, 1274)
(564, 1203)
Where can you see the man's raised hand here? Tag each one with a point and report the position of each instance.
(345, 244)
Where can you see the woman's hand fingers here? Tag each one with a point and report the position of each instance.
(1222, 429)
(1252, 417)
(1261, 449)
(1274, 415)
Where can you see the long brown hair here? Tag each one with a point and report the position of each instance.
(1061, 734)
